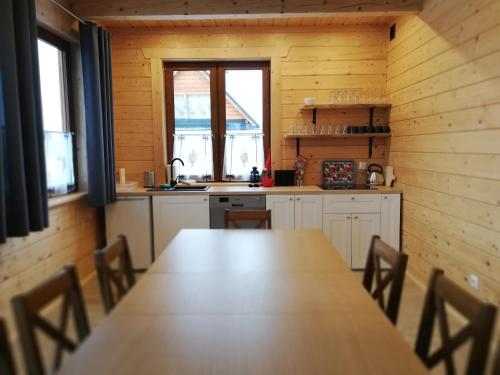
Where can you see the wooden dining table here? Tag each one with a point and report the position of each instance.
(246, 302)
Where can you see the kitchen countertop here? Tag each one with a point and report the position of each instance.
(244, 189)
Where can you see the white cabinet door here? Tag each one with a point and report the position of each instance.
(131, 216)
(308, 211)
(171, 214)
(337, 228)
(282, 211)
(364, 226)
(390, 223)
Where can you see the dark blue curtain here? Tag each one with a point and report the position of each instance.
(96, 65)
(23, 187)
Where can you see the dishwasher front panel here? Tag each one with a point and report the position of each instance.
(220, 203)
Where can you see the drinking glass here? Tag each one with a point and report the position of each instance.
(334, 97)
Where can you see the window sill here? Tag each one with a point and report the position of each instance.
(67, 198)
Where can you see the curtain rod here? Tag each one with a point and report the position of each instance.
(69, 11)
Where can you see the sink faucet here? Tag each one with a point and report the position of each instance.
(173, 181)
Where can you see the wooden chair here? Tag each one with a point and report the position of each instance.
(6, 359)
(496, 361)
(263, 218)
(121, 278)
(395, 276)
(481, 318)
(27, 307)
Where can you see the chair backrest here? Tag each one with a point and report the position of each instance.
(394, 276)
(496, 361)
(480, 315)
(120, 278)
(27, 307)
(6, 359)
(261, 217)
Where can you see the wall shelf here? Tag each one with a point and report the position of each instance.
(345, 106)
(369, 136)
(357, 135)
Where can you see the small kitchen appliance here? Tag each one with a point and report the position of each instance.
(375, 175)
(284, 177)
(149, 179)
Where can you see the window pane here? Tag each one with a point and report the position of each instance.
(192, 101)
(244, 101)
(244, 147)
(59, 163)
(241, 153)
(195, 150)
(193, 124)
(52, 87)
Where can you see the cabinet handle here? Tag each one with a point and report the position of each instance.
(348, 217)
(385, 197)
(352, 198)
(205, 199)
(290, 199)
(355, 218)
(298, 199)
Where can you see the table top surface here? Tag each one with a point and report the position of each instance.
(246, 302)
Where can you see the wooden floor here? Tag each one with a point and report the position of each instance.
(411, 306)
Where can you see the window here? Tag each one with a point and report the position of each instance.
(53, 56)
(217, 118)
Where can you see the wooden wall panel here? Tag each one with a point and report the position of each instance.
(74, 233)
(310, 62)
(443, 76)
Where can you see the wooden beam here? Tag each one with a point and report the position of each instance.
(201, 9)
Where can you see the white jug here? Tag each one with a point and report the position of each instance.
(389, 175)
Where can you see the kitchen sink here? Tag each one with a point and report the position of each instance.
(183, 188)
(190, 188)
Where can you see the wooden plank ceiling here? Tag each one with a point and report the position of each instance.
(202, 9)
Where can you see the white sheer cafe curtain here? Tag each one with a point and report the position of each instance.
(196, 150)
(59, 162)
(242, 152)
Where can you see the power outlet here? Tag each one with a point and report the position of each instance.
(362, 165)
(474, 281)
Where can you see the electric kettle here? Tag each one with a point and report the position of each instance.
(375, 175)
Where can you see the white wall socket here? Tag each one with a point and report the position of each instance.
(474, 281)
(362, 165)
